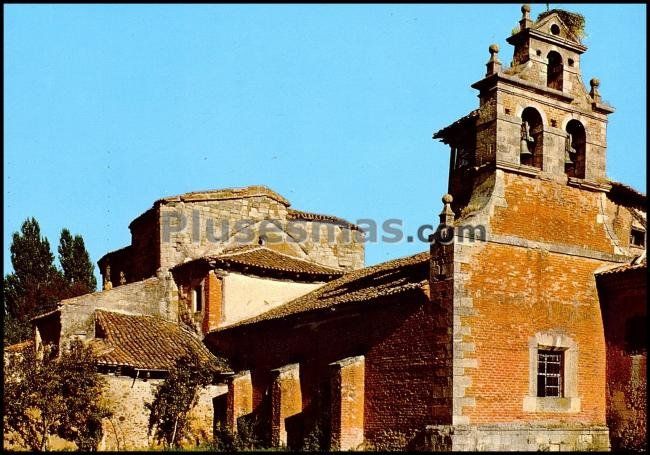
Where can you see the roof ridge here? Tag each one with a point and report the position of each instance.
(321, 216)
(279, 253)
(246, 191)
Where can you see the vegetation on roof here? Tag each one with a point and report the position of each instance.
(575, 22)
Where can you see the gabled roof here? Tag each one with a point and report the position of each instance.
(356, 287)
(146, 343)
(261, 258)
(558, 17)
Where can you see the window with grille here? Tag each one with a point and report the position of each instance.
(550, 372)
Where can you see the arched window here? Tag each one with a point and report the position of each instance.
(197, 299)
(532, 138)
(574, 150)
(554, 71)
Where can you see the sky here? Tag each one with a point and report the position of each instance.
(110, 107)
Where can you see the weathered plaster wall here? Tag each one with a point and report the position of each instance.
(246, 296)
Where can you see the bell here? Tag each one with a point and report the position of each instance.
(567, 159)
(524, 149)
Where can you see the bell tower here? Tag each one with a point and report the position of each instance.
(535, 116)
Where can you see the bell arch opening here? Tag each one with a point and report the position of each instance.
(554, 71)
(575, 150)
(532, 138)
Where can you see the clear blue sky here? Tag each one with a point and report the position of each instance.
(110, 107)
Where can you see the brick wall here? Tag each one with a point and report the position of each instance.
(213, 302)
(531, 284)
(347, 403)
(404, 355)
(624, 297)
(518, 292)
(552, 212)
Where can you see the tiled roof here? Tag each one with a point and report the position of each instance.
(146, 342)
(359, 286)
(634, 265)
(460, 123)
(227, 193)
(20, 347)
(125, 251)
(308, 216)
(626, 192)
(48, 313)
(261, 257)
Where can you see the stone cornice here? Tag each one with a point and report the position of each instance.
(556, 248)
(492, 80)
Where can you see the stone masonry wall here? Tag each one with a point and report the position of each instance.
(128, 428)
(155, 296)
(202, 232)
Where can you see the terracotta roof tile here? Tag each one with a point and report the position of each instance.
(634, 265)
(454, 127)
(363, 285)
(627, 193)
(146, 342)
(261, 257)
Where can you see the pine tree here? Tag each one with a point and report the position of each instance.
(78, 270)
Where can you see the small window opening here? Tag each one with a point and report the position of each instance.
(550, 373)
(554, 71)
(555, 29)
(637, 237)
(570, 62)
(197, 299)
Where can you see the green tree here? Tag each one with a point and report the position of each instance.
(174, 398)
(49, 395)
(78, 270)
(34, 286)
